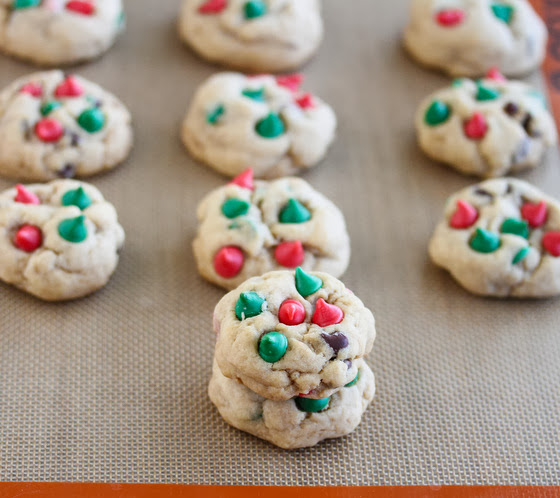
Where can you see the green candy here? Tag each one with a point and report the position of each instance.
(254, 8)
(273, 346)
(248, 305)
(516, 227)
(485, 93)
(271, 127)
(254, 94)
(521, 255)
(354, 382)
(233, 208)
(92, 120)
(457, 83)
(307, 284)
(215, 114)
(49, 107)
(312, 405)
(503, 11)
(294, 212)
(76, 197)
(25, 4)
(438, 113)
(485, 241)
(73, 229)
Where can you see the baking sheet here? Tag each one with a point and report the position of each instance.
(113, 387)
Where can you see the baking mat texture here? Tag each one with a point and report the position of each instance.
(113, 387)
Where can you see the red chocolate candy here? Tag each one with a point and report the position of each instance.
(25, 196)
(228, 261)
(476, 127)
(450, 17)
(290, 81)
(306, 101)
(212, 6)
(291, 312)
(551, 243)
(326, 314)
(534, 214)
(28, 238)
(34, 89)
(49, 130)
(70, 87)
(80, 7)
(290, 254)
(245, 179)
(465, 216)
(495, 74)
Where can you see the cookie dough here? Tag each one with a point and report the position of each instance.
(59, 32)
(487, 128)
(253, 228)
(253, 36)
(294, 423)
(468, 37)
(501, 238)
(59, 240)
(60, 125)
(287, 334)
(261, 121)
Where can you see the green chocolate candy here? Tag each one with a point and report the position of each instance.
(257, 95)
(484, 93)
(92, 120)
(25, 4)
(248, 305)
(354, 382)
(485, 241)
(438, 113)
(254, 8)
(76, 197)
(311, 405)
(503, 11)
(73, 229)
(521, 255)
(215, 114)
(233, 208)
(307, 284)
(294, 212)
(516, 227)
(49, 107)
(271, 127)
(273, 346)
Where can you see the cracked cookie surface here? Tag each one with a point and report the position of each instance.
(59, 32)
(291, 424)
(253, 228)
(253, 36)
(59, 240)
(56, 125)
(287, 334)
(469, 37)
(490, 127)
(262, 121)
(501, 238)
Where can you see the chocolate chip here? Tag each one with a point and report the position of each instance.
(75, 139)
(481, 191)
(526, 123)
(509, 189)
(68, 171)
(511, 109)
(336, 341)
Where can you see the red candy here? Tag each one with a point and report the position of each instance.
(306, 101)
(70, 87)
(290, 254)
(25, 196)
(476, 127)
(326, 314)
(551, 243)
(49, 130)
(494, 74)
(228, 261)
(291, 312)
(212, 6)
(534, 214)
(290, 81)
(465, 216)
(450, 17)
(28, 238)
(245, 179)
(34, 89)
(81, 7)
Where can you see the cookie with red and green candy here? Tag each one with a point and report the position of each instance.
(501, 238)
(265, 121)
(58, 241)
(247, 228)
(489, 127)
(291, 334)
(58, 125)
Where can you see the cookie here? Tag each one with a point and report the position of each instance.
(468, 37)
(294, 423)
(287, 334)
(59, 240)
(236, 120)
(501, 238)
(56, 125)
(253, 36)
(59, 32)
(487, 128)
(247, 229)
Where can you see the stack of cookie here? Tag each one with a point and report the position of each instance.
(289, 362)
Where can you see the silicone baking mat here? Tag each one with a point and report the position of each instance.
(113, 387)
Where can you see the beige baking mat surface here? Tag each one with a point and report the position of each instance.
(113, 387)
